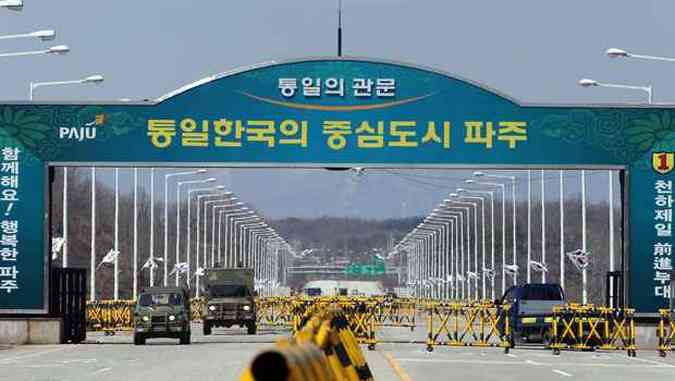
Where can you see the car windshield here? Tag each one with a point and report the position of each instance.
(228, 291)
(169, 298)
(542, 293)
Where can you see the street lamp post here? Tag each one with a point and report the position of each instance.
(167, 176)
(12, 5)
(95, 79)
(92, 270)
(503, 191)
(189, 227)
(585, 82)
(227, 197)
(482, 209)
(178, 208)
(43, 35)
(117, 229)
(55, 50)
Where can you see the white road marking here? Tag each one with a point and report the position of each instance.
(102, 370)
(512, 355)
(652, 362)
(521, 363)
(532, 362)
(560, 372)
(29, 355)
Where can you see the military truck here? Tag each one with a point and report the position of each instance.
(162, 312)
(230, 299)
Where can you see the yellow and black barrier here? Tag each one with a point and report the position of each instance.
(110, 316)
(665, 331)
(586, 327)
(324, 348)
(396, 313)
(480, 324)
(276, 311)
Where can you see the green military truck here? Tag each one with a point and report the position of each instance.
(162, 312)
(230, 299)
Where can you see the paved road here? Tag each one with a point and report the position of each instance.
(223, 355)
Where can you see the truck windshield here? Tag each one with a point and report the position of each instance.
(169, 298)
(542, 293)
(228, 291)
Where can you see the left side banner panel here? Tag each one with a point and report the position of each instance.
(23, 180)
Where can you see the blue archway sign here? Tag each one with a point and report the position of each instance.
(332, 112)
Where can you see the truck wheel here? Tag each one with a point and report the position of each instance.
(252, 328)
(139, 339)
(207, 328)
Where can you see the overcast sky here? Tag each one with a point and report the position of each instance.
(535, 51)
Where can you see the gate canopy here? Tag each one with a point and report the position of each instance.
(332, 112)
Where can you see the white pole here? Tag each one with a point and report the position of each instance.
(584, 280)
(482, 208)
(220, 234)
(562, 231)
(92, 287)
(492, 237)
(166, 231)
(213, 235)
(117, 215)
(503, 237)
(64, 248)
(611, 233)
(475, 250)
(152, 226)
(199, 208)
(513, 193)
(543, 225)
(529, 225)
(135, 233)
(187, 248)
(178, 231)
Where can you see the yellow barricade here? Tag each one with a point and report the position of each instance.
(665, 332)
(586, 327)
(110, 316)
(468, 324)
(323, 348)
(275, 311)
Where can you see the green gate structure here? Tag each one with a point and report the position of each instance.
(332, 112)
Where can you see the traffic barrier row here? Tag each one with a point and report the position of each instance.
(468, 324)
(665, 331)
(110, 315)
(587, 327)
(324, 348)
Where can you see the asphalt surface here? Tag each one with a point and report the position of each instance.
(402, 356)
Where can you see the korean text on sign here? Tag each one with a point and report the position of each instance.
(9, 225)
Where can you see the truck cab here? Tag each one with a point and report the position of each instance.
(531, 310)
(162, 312)
(230, 300)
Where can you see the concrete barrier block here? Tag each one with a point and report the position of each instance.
(45, 331)
(646, 337)
(14, 331)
